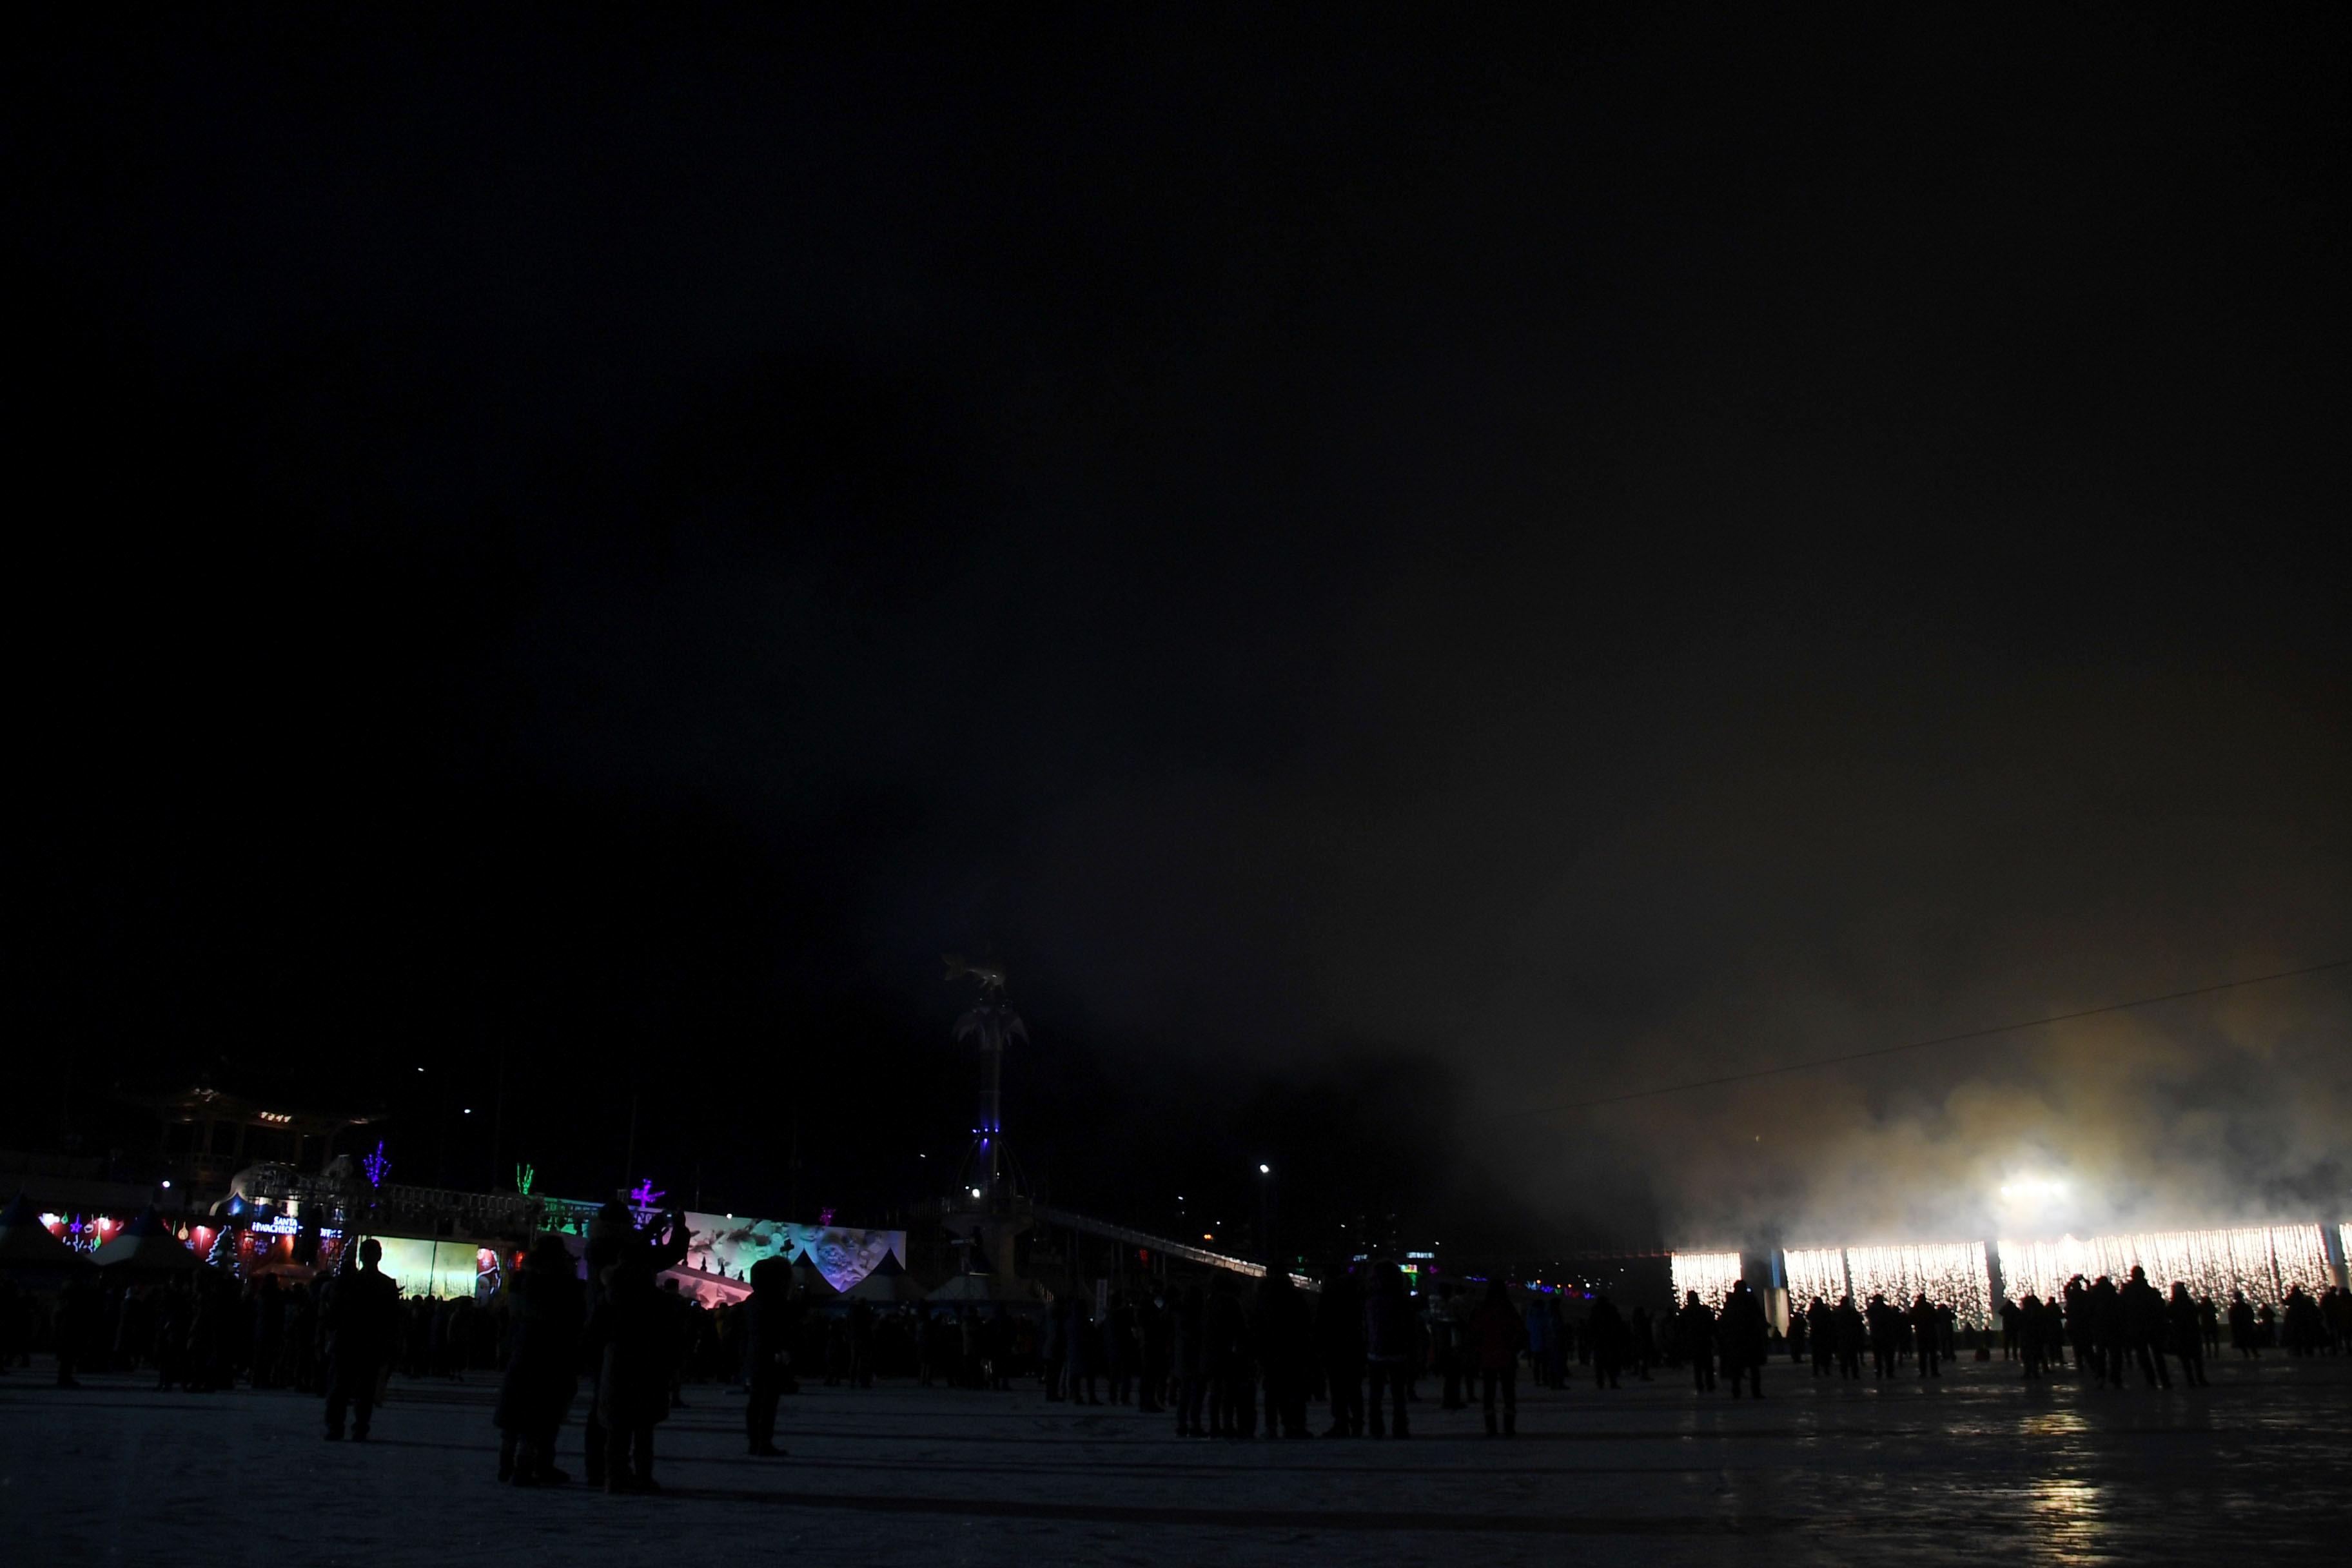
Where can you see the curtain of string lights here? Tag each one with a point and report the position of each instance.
(1813, 1271)
(1951, 1273)
(2264, 1261)
(1711, 1274)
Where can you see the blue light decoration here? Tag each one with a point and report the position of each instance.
(376, 1164)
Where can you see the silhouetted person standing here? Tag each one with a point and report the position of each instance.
(1851, 1328)
(1340, 1342)
(1224, 1336)
(631, 1334)
(545, 1313)
(2242, 1327)
(2187, 1329)
(1285, 1341)
(1820, 1322)
(2107, 1316)
(1744, 1333)
(771, 1324)
(1885, 1335)
(1191, 1363)
(1695, 1323)
(2079, 1325)
(1388, 1343)
(2031, 1327)
(361, 1308)
(2143, 1323)
(1927, 1328)
(1496, 1332)
(1606, 1325)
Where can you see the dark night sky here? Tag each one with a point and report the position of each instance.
(1390, 575)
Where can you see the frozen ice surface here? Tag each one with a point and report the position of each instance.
(2256, 1468)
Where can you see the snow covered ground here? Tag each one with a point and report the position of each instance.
(2256, 1468)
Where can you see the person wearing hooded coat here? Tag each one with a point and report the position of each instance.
(546, 1310)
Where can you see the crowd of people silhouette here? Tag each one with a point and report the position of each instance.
(1226, 1356)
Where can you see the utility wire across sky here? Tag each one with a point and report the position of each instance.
(1560, 1106)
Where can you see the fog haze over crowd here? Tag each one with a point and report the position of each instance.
(1390, 598)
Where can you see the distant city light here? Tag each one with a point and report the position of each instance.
(975, 1191)
(167, 1184)
(1265, 1170)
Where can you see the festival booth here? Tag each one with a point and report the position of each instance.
(146, 1248)
(443, 1270)
(30, 1254)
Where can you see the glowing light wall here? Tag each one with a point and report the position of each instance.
(1814, 1271)
(2301, 1253)
(1953, 1273)
(1711, 1274)
(2262, 1261)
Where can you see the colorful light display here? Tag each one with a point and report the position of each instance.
(1951, 1273)
(1711, 1274)
(1813, 1271)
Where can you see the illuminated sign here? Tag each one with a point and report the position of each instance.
(285, 1225)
